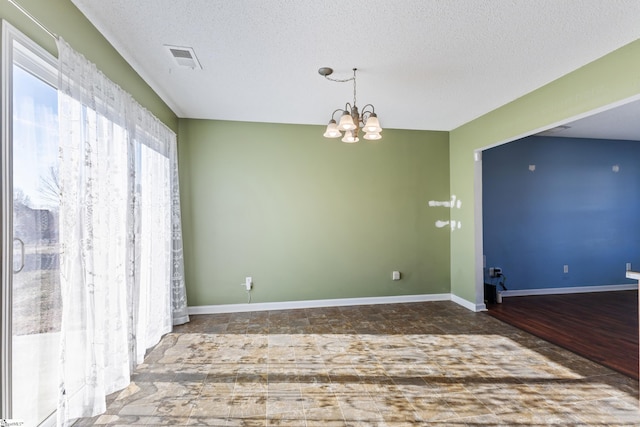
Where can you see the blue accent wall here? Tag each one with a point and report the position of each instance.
(573, 209)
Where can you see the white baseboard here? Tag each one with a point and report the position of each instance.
(292, 305)
(468, 304)
(572, 290)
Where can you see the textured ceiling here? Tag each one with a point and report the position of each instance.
(424, 64)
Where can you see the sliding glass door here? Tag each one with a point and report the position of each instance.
(31, 302)
(91, 240)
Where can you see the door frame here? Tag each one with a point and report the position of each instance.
(41, 63)
(478, 208)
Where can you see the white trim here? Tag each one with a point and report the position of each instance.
(293, 305)
(564, 121)
(17, 49)
(397, 299)
(50, 421)
(468, 304)
(6, 219)
(478, 229)
(633, 275)
(572, 290)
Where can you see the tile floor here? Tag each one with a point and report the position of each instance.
(432, 364)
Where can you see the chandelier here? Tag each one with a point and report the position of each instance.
(351, 120)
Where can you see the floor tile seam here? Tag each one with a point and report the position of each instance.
(521, 408)
(614, 375)
(613, 398)
(471, 418)
(580, 416)
(610, 386)
(482, 404)
(549, 404)
(306, 398)
(304, 414)
(458, 418)
(335, 397)
(271, 415)
(630, 394)
(500, 384)
(342, 409)
(410, 402)
(571, 402)
(545, 395)
(188, 417)
(552, 407)
(410, 397)
(431, 395)
(226, 417)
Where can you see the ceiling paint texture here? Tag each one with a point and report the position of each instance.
(424, 64)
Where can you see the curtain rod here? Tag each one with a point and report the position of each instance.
(33, 18)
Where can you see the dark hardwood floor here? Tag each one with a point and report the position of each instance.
(601, 326)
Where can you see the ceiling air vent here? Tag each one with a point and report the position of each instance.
(183, 56)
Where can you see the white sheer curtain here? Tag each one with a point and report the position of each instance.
(121, 265)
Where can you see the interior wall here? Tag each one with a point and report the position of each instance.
(64, 19)
(308, 217)
(608, 80)
(552, 202)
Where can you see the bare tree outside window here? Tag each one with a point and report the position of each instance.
(50, 188)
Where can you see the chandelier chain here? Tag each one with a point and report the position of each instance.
(354, 87)
(347, 80)
(339, 80)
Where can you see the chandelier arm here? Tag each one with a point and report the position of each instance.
(334, 113)
(373, 109)
(367, 113)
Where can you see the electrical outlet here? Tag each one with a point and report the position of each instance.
(628, 266)
(395, 275)
(566, 268)
(495, 271)
(248, 283)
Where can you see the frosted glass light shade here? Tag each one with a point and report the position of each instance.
(332, 130)
(349, 137)
(346, 122)
(372, 125)
(372, 136)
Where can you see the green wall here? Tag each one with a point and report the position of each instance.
(64, 19)
(309, 217)
(610, 79)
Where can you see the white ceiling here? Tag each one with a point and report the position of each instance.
(424, 64)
